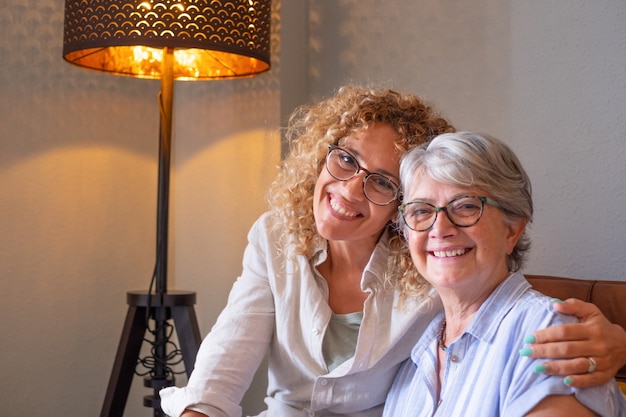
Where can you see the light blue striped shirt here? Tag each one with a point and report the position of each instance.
(484, 374)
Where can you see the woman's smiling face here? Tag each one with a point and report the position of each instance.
(461, 258)
(342, 212)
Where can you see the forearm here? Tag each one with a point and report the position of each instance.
(191, 413)
(620, 333)
(236, 346)
(228, 357)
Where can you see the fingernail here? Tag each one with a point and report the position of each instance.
(539, 369)
(526, 352)
(557, 300)
(530, 339)
(567, 380)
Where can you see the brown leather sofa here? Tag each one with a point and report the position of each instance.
(609, 296)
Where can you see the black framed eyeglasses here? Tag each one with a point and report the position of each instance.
(343, 166)
(463, 211)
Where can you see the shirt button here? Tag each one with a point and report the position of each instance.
(454, 358)
(324, 382)
(316, 331)
(311, 414)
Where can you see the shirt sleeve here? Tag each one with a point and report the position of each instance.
(529, 388)
(604, 400)
(236, 345)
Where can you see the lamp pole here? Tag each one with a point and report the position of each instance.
(160, 376)
(162, 305)
(166, 98)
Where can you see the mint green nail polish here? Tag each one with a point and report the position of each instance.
(567, 380)
(526, 352)
(530, 339)
(557, 300)
(539, 369)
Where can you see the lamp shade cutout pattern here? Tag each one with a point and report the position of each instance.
(212, 39)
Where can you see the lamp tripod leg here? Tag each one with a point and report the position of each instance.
(125, 361)
(188, 333)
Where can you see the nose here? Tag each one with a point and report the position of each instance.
(356, 184)
(442, 225)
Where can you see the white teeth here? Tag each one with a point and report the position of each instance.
(448, 253)
(339, 209)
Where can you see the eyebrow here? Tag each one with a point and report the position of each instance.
(360, 159)
(468, 193)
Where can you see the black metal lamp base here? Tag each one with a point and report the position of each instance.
(176, 304)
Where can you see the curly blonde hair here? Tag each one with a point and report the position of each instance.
(309, 132)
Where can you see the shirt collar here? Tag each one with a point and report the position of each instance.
(377, 265)
(485, 323)
(487, 319)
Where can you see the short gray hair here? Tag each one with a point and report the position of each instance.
(469, 159)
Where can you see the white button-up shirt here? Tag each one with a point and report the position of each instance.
(280, 304)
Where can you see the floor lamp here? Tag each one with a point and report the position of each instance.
(167, 40)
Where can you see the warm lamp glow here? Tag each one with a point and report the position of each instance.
(210, 38)
(145, 62)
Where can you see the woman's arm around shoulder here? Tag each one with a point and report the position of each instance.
(571, 344)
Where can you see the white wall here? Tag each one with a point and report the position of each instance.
(546, 76)
(78, 160)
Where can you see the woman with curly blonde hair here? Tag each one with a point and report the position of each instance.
(312, 129)
(315, 292)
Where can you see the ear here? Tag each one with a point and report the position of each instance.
(516, 229)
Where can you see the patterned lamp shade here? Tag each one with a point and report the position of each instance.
(210, 39)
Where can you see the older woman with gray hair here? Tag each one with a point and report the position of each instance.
(467, 202)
